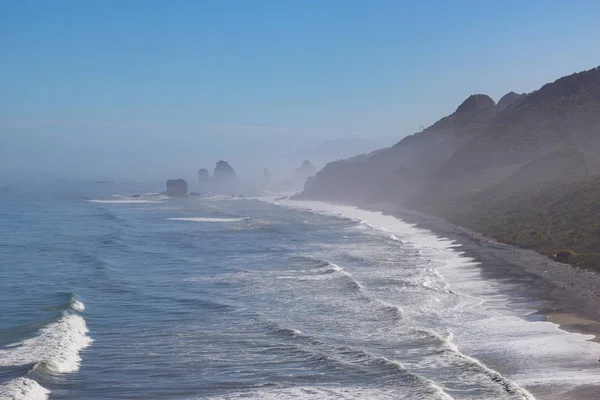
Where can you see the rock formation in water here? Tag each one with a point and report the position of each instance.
(224, 173)
(306, 169)
(203, 176)
(524, 171)
(176, 187)
(298, 179)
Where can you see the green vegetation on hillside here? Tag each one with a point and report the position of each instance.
(563, 220)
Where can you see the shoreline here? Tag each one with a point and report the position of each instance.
(562, 294)
(565, 295)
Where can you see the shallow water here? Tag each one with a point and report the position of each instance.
(108, 297)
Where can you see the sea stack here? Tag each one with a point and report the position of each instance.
(298, 179)
(224, 173)
(203, 175)
(306, 170)
(176, 187)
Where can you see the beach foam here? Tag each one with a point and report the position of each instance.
(125, 201)
(23, 389)
(55, 350)
(483, 321)
(57, 345)
(208, 219)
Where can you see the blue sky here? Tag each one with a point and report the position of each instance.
(159, 87)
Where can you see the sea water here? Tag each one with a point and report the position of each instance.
(107, 296)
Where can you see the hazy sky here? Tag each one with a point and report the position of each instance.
(157, 88)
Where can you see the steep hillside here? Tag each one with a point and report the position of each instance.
(526, 164)
(554, 219)
(368, 177)
(561, 113)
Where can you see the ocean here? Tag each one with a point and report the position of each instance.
(105, 296)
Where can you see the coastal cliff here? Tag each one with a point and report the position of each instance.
(524, 171)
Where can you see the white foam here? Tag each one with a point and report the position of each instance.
(78, 306)
(125, 201)
(334, 392)
(23, 389)
(206, 219)
(394, 238)
(57, 345)
(481, 315)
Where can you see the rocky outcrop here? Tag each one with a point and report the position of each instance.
(203, 176)
(176, 187)
(224, 173)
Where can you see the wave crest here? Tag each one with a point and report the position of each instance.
(54, 350)
(23, 389)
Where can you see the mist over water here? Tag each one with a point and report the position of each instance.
(104, 297)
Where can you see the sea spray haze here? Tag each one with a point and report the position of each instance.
(108, 297)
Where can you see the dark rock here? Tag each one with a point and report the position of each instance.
(566, 256)
(176, 187)
(135, 196)
(224, 172)
(195, 194)
(203, 175)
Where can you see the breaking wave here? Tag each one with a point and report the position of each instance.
(53, 350)
(208, 219)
